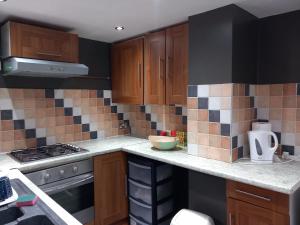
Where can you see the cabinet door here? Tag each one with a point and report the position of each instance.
(111, 204)
(177, 64)
(155, 66)
(241, 213)
(40, 43)
(127, 71)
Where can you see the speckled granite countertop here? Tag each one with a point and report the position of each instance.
(283, 178)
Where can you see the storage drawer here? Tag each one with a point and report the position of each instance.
(143, 193)
(275, 201)
(143, 173)
(135, 221)
(144, 212)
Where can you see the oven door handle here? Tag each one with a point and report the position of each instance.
(72, 183)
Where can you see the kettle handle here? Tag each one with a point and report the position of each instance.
(275, 140)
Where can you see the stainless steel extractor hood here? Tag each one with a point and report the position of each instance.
(41, 68)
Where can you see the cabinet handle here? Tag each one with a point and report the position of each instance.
(170, 62)
(49, 54)
(254, 195)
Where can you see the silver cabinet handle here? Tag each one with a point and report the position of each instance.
(254, 195)
(140, 74)
(49, 54)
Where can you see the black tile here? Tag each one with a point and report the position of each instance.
(262, 121)
(225, 129)
(234, 142)
(30, 133)
(120, 116)
(278, 134)
(19, 124)
(289, 149)
(6, 114)
(148, 116)
(241, 152)
(158, 132)
(178, 110)
(68, 111)
(107, 101)
(59, 103)
(114, 109)
(85, 127)
(93, 135)
(49, 93)
(100, 94)
(77, 119)
(41, 142)
(153, 125)
(192, 91)
(142, 108)
(202, 103)
(255, 112)
(251, 102)
(247, 90)
(214, 116)
(298, 89)
(184, 120)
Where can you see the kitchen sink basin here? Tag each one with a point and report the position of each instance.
(10, 214)
(36, 220)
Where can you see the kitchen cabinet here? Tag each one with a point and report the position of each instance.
(249, 205)
(110, 187)
(157, 77)
(155, 68)
(177, 64)
(128, 72)
(35, 42)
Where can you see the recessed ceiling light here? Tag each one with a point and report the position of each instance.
(3, 0)
(119, 28)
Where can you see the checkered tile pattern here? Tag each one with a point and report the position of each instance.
(36, 117)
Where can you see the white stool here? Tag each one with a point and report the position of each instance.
(189, 217)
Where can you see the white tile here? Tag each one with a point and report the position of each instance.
(93, 127)
(18, 114)
(126, 116)
(120, 108)
(51, 140)
(107, 93)
(240, 140)
(5, 104)
(100, 134)
(41, 132)
(263, 113)
(203, 90)
(159, 126)
(59, 93)
(214, 103)
(192, 149)
(276, 125)
(76, 111)
(68, 102)
(147, 108)
(85, 119)
(184, 111)
(252, 90)
(234, 129)
(297, 150)
(154, 117)
(288, 139)
(225, 116)
(30, 123)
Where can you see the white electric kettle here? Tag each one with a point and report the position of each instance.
(261, 150)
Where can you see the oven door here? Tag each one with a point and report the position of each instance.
(75, 194)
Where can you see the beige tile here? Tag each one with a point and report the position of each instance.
(192, 138)
(215, 90)
(262, 90)
(275, 114)
(225, 142)
(192, 114)
(276, 102)
(289, 114)
(203, 127)
(289, 89)
(215, 141)
(192, 103)
(226, 90)
(214, 128)
(289, 101)
(203, 115)
(226, 102)
(276, 89)
(203, 139)
(288, 126)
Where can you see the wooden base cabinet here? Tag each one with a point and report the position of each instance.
(249, 205)
(111, 202)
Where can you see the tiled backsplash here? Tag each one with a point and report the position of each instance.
(220, 115)
(35, 117)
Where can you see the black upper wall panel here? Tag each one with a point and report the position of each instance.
(95, 54)
(222, 46)
(279, 48)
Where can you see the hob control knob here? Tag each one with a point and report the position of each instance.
(47, 176)
(75, 169)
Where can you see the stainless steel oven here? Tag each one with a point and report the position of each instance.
(70, 185)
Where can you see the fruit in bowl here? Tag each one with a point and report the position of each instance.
(163, 142)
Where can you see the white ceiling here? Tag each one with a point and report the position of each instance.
(96, 19)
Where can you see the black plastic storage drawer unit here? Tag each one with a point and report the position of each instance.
(150, 185)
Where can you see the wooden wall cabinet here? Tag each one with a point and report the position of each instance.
(35, 42)
(110, 187)
(177, 64)
(128, 72)
(164, 74)
(249, 205)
